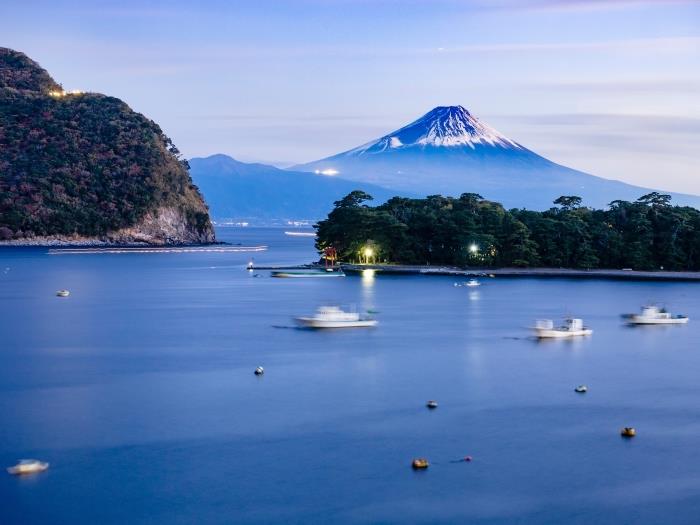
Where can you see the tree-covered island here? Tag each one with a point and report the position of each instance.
(647, 234)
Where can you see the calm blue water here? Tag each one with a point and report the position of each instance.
(139, 390)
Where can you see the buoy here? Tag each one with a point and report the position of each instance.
(628, 432)
(420, 463)
(581, 389)
(259, 371)
(431, 404)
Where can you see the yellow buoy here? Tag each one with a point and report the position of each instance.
(420, 463)
(628, 432)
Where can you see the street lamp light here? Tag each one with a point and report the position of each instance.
(368, 252)
(473, 248)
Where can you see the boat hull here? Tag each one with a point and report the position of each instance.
(18, 470)
(561, 334)
(637, 320)
(306, 275)
(309, 322)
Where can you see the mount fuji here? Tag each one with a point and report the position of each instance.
(450, 151)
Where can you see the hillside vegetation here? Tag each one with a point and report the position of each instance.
(648, 234)
(87, 165)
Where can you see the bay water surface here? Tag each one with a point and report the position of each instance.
(139, 390)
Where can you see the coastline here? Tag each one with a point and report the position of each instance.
(619, 274)
(399, 269)
(77, 241)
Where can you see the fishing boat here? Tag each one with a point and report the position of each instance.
(334, 317)
(655, 315)
(28, 466)
(310, 273)
(544, 329)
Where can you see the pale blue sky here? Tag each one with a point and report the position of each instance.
(609, 87)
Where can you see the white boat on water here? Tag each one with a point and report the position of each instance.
(334, 317)
(655, 315)
(63, 293)
(471, 283)
(310, 273)
(301, 234)
(544, 329)
(28, 466)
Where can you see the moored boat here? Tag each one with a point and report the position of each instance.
(334, 317)
(28, 466)
(310, 273)
(655, 315)
(62, 293)
(544, 329)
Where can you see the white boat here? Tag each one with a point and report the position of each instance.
(28, 466)
(472, 283)
(63, 293)
(334, 317)
(301, 234)
(311, 273)
(656, 315)
(544, 329)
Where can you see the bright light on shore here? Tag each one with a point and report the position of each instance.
(328, 171)
(473, 248)
(59, 94)
(369, 252)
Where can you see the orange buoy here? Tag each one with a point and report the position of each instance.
(628, 432)
(420, 463)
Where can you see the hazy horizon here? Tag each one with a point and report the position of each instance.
(609, 88)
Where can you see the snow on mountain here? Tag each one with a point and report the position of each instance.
(447, 126)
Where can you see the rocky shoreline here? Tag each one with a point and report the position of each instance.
(166, 226)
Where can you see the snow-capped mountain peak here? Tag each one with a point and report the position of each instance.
(444, 126)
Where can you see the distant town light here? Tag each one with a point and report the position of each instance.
(329, 171)
(63, 93)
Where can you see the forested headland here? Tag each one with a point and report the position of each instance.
(469, 231)
(85, 164)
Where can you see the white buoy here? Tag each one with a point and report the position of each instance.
(259, 371)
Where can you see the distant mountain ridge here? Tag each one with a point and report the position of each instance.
(450, 151)
(83, 168)
(258, 192)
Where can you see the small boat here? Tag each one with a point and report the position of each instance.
(472, 283)
(28, 466)
(328, 272)
(334, 317)
(655, 315)
(259, 371)
(63, 293)
(544, 329)
(581, 389)
(432, 404)
(628, 432)
(300, 234)
(420, 463)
